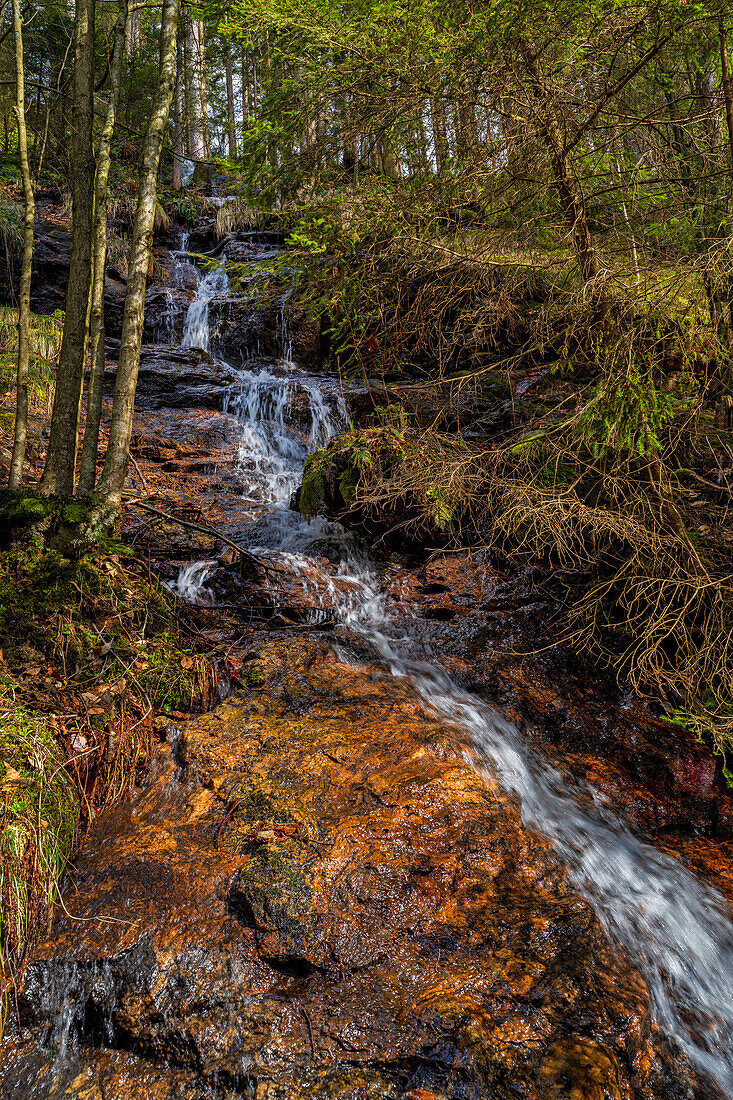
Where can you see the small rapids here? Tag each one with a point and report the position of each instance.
(677, 929)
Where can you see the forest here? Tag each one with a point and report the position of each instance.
(366, 549)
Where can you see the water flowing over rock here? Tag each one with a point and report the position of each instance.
(355, 879)
(319, 894)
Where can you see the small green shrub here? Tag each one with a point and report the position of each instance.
(45, 344)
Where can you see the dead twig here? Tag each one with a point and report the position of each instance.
(139, 472)
(207, 530)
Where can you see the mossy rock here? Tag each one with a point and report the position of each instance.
(22, 509)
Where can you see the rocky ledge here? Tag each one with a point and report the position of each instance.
(318, 895)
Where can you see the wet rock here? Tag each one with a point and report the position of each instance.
(51, 256)
(178, 378)
(328, 902)
(497, 635)
(242, 330)
(576, 1069)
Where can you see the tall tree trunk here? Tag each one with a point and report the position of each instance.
(118, 448)
(90, 445)
(247, 93)
(195, 99)
(231, 123)
(727, 84)
(24, 297)
(728, 99)
(204, 88)
(571, 197)
(59, 472)
(177, 182)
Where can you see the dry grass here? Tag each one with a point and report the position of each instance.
(38, 823)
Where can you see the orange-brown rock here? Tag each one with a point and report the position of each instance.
(319, 896)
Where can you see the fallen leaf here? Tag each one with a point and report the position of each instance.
(11, 775)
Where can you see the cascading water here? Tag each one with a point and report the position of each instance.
(196, 327)
(191, 582)
(677, 929)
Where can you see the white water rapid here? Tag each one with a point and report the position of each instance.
(196, 326)
(677, 929)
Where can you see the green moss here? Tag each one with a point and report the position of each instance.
(74, 512)
(313, 487)
(253, 674)
(22, 509)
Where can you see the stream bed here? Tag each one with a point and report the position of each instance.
(355, 878)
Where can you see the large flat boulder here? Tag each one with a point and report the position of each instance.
(321, 895)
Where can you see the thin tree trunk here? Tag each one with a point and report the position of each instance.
(90, 445)
(24, 297)
(231, 123)
(177, 181)
(59, 473)
(204, 88)
(571, 198)
(246, 91)
(727, 84)
(725, 330)
(118, 448)
(440, 132)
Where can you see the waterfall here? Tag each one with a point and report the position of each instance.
(196, 327)
(677, 929)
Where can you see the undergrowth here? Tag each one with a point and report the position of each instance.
(45, 344)
(92, 652)
(602, 488)
(39, 817)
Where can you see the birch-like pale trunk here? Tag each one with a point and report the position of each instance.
(195, 104)
(90, 446)
(112, 480)
(177, 181)
(231, 119)
(24, 296)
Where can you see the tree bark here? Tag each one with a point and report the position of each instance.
(571, 198)
(231, 123)
(247, 102)
(177, 181)
(59, 473)
(109, 491)
(195, 99)
(24, 297)
(90, 446)
(727, 84)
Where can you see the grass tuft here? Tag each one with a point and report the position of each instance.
(39, 814)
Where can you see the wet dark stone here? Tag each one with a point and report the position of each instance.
(177, 378)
